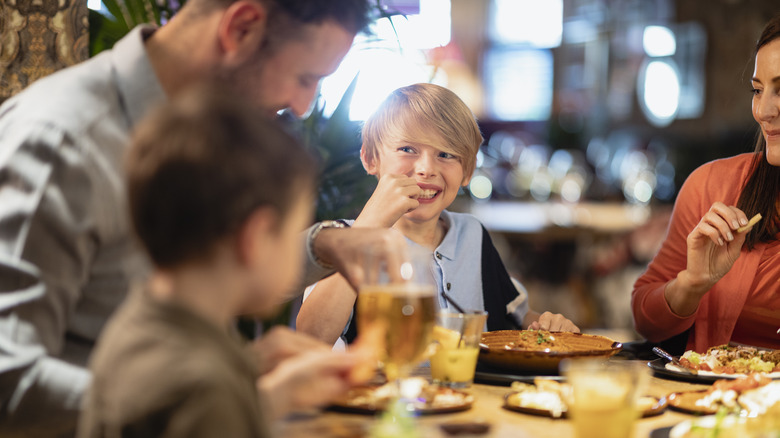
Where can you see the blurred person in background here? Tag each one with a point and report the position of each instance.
(217, 198)
(67, 256)
(712, 283)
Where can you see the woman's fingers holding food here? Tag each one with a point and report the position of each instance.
(730, 214)
(719, 224)
(714, 227)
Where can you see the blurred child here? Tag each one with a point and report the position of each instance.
(218, 196)
(422, 145)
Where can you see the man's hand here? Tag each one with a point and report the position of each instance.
(347, 249)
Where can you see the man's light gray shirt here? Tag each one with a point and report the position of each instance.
(67, 256)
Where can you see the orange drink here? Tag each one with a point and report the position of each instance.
(604, 396)
(456, 337)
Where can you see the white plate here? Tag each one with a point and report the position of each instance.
(708, 422)
(677, 369)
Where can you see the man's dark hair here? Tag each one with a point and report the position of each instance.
(287, 18)
(200, 164)
(350, 14)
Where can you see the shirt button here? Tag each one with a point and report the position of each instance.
(438, 255)
(449, 286)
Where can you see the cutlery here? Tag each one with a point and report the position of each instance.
(664, 354)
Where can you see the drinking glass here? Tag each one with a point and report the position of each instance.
(603, 401)
(457, 337)
(396, 310)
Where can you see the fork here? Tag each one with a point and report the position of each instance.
(664, 354)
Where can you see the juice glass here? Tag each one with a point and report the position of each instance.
(457, 337)
(603, 402)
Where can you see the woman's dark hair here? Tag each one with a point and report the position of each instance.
(199, 165)
(763, 183)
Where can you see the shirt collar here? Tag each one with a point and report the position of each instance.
(449, 245)
(139, 88)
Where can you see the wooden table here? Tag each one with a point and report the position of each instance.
(488, 408)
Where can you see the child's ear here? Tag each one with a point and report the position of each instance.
(369, 163)
(253, 241)
(241, 31)
(467, 179)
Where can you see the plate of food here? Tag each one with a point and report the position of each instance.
(430, 399)
(750, 395)
(721, 362)
(547, 397)
(540, 351)
(721, 426)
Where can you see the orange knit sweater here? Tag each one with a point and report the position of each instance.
(718, 312)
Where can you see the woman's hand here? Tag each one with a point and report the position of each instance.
(395, 195)
(713, 247)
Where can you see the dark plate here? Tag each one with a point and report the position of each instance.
(491, 376)
(659, 369)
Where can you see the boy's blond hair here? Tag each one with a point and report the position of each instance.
(427, 114)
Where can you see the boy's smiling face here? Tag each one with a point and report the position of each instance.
(438, 173)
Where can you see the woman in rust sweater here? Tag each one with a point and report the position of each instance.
(712, 279)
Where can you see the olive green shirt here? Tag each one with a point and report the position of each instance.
(160, 370)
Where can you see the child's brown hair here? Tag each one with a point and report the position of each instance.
(199, 165)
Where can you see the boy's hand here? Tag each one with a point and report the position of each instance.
(395, 195)
(554, 322)
(280, 344)
(368, 346)
(308, 380)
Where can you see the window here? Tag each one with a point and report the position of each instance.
(394, 56)
(518, 66)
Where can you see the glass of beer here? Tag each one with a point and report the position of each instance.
(456, 339)
(604, 397)
(396, 310)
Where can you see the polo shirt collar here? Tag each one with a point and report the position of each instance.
(449, 246)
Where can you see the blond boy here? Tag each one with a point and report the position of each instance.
(422, 145)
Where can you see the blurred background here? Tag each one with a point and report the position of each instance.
(593, 113)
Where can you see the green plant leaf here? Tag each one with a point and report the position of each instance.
(121, 17)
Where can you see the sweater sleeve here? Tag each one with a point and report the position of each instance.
(653, 318)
